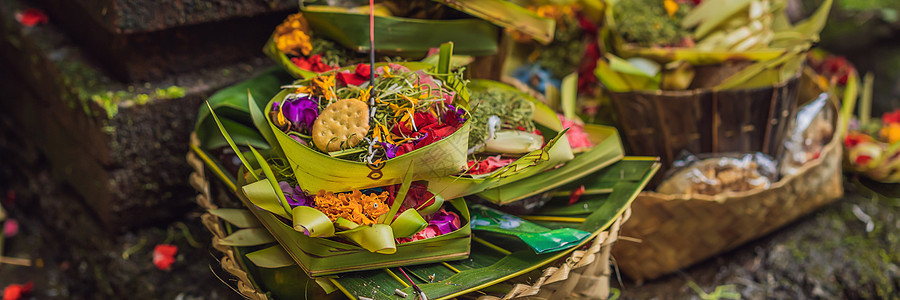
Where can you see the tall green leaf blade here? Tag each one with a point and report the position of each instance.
(262, 124)
(241, 134)
(248, 237)
(239, 217)
(231, 103)
(273, 181)
(231, 143)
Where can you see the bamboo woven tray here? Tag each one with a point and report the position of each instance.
(582, 271)
(677, 231)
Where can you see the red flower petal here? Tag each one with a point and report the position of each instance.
(576, 195)
(363, 70)
(351, 78)
(863, 159)
(164, 256)
(891, 117)
(31, 16)
(16, 291)
(301, 63)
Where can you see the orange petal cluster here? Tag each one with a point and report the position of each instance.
(362, 209)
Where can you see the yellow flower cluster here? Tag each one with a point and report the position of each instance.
(360, 208)
(291, 37)
(322, 86)
(890, 133)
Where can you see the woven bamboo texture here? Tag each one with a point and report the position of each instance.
(584, 274)
(664, 123)
(677, 231)
(228, 261)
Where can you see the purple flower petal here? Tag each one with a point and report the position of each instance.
(445, 221)
(389, 150)
(294, 195)
(301, 112)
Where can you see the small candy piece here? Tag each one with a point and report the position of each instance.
(341, 125)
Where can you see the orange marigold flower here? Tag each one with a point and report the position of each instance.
(363, 209)
(291, 36)
(890, 133)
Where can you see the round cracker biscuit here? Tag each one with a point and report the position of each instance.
(342, 124)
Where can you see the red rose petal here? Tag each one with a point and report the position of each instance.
(31, 17)
(576, 195)
(164, 256)
(16, 291)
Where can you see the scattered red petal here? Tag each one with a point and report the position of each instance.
(31, 17)
(489, 164)
(863, 159)
(313, 63)
(891, 117)
(10, 228)
(164, 256)
(576, 195)
(16, 291)
(854, 138)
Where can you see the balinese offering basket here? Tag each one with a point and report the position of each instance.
(583, 271)
(678, 231)
(664, 123)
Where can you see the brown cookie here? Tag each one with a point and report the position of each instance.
(341, 125)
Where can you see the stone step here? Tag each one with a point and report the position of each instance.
(120, 146)
(141, 16)
(147, 40)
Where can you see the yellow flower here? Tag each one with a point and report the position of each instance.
(890, 133)
(364, 95)
(279, 119)
(671, 7)
(381, 133)
(324, 86)
(294, 43)
(412, 101)
(387, 72)
(291, 36)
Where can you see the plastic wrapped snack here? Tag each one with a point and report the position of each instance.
(810, 131)
(713, 176)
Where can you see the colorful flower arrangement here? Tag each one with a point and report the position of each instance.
(294, 39)
(357, 208)
(340, 111)
(574, 49)
(873, 148)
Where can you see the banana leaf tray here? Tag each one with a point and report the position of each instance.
(494, 267)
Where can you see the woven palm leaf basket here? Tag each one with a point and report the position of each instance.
(676, 231)
(583, 273)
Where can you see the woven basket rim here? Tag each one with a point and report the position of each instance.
(723, 197)
(695, 92)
